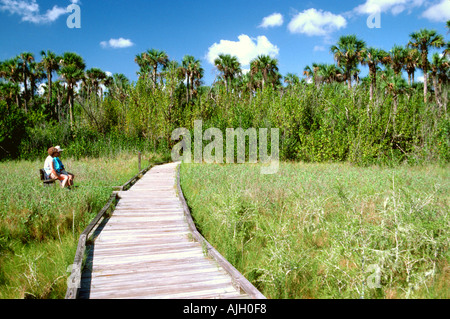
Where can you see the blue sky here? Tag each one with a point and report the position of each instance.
(296, 33)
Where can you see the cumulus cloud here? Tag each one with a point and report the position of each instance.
(439, 12)
(245, 49)
(274, 20)
(117, 43)
(393, 6)
(314, 22)
(29, 10)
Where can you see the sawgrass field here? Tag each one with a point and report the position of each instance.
(329, 230)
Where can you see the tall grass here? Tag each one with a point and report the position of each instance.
(328, 230)
(40, 226)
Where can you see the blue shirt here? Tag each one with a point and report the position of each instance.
(58, 165)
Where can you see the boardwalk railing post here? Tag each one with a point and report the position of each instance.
(139, 161)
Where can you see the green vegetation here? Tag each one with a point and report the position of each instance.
(321, 230)
(331, 114)
(40, 226)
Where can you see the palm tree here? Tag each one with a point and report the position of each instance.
(397, 58)
(393, 84)
(36, 75)
(324, 73)
(412, 58)
(119, 86)
(422, 40)
(447, 49)
(265, 65)
(173, 75)
(71, 70)
(348, 53)
(11, 71)
(196, 76)
(155, 58)
(329, 73)
(372, 57)
(50, 63)
(186, 69)
(193, 72)
(447, 45)
(310, 71)
(439, 67)
(25, 59)
(60, 90)
(144, 68)
(229, 66)
(291, 79)
(94, 77)
(9, 91)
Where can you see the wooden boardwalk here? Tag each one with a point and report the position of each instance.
(146, 249)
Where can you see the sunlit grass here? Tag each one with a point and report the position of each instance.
(324, 230)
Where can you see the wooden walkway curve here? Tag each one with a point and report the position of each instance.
(149, 249)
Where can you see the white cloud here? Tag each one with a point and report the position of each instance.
(29, 10)
(394, 6)
(274, 20)
(316, 22)
(439, 12)
(41, 88)
(246, 49)
(319, 48)
(117, 43)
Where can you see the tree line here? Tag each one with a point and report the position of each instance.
(168, 93)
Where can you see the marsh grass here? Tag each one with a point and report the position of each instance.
(328, 230)
(40, 226)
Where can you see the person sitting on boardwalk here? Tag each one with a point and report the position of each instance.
(54, 168)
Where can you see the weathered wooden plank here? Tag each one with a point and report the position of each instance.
(151, 279)
(145, 249)
(144, 214)
(107, 260)
(148, 238)
(139, 233)
(189, 290)
(151, 222)
(147, 210)
(161, 268)
(147, 280)
(111, 237)
(149, 245)
(157, 265)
